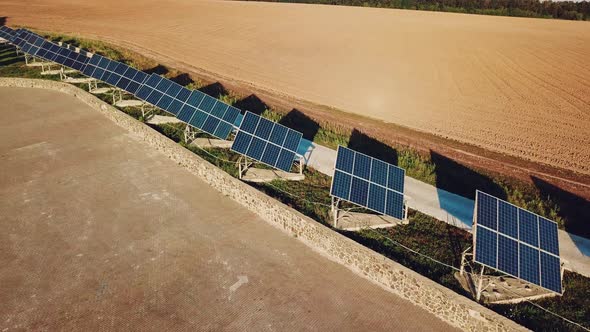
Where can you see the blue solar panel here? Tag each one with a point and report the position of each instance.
(487, 211)
(548, 236)
(184, 103)
(507, 222)
(550, 272)
(6, 33)
(373, 183)
(523, 244)
(262, 138)
(486, 244)
(39, 47)
(507, 255)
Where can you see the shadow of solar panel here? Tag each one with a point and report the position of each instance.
(524, 239)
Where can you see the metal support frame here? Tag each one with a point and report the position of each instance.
(190, 133)
(117, 93)
(301, 164)
(243, 164)
(334, 210)
(92, 86)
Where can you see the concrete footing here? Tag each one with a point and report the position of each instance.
(258, 175)
(211, 143)
(354, 221)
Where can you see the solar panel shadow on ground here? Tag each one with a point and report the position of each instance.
(267, 142)
(516, 242)
(369, 182)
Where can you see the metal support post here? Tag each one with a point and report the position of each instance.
(334, 210)
(480, 285)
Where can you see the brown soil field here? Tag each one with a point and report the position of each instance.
(519, 87)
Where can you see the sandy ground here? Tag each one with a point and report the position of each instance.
(101, 233)
(512, 85)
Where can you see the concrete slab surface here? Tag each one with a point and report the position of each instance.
(98, 232)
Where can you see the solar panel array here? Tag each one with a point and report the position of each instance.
(190, 106)
(268, 142)
(115, 73)
(517, 242)
(369, 182)
(6, 33)
(41, 48)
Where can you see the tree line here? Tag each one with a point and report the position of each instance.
(567, 10)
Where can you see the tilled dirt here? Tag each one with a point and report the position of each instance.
(511, 85)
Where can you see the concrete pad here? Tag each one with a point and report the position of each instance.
(354, 221)
(504, 290)
(129, 103)
(258, 175)
(99, 232)
(79, 80)
(58, 71)
(211, 143)
(160, 119)
(37, 64)
(102, 90)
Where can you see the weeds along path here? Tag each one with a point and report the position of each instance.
(515, 86)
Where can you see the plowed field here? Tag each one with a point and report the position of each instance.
(511, 85)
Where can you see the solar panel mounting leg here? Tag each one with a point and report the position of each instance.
(480, 285)
(334, 210)
(242, 168)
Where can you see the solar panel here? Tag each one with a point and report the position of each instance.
(192, 107)
(268, 142)
(115, 73)
(6, 33)
(47, 50)
(369, 182)
(517, 242)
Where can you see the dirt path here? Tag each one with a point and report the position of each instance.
(102, 233)
(514, 86)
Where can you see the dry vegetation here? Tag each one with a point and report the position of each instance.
(515, 86)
